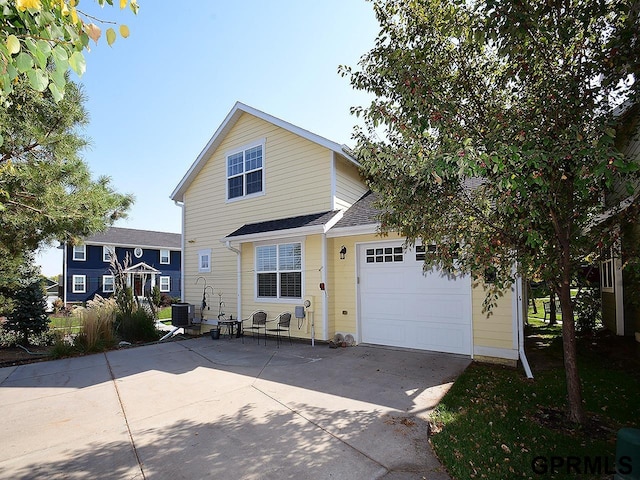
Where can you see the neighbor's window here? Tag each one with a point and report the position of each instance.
(79, 283)
(164, 257)
(80, 253)
(279, 270)
(204, 260)
(607, 275)
(108, 284)
(165, 284)
(108, 252)
(245, 172)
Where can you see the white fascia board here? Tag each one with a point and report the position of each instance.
(276, 234)
(130, 245)
(371, 228)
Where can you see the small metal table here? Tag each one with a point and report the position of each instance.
(231, 323)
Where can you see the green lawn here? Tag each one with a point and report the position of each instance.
(496, 424)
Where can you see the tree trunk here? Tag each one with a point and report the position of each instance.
(553, 318)
(574, 389)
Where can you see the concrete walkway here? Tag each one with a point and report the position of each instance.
(222, 409)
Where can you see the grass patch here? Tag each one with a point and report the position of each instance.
(164, 313)
(494, 422)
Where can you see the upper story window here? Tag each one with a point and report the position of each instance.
(164, 257)
(108, 252)
(80, 253)
(245, 172)
(279, 271)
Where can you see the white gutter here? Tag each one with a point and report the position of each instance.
(239, 277)
(520, 320)
(182, 253)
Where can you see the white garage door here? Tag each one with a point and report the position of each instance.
(402, 306)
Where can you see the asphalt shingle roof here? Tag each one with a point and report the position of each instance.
(284, 223)
(361, 213)
(136, 238)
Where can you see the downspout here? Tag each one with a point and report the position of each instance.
(520, 319)
(182, 253)
(239, 277)
(64, 276)
(325, 300)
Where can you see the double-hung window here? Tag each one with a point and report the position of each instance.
(108, 252)
(108, 284)
(607, 273)
(164, 257)
(80, 253)
(245, 172)
(165, 284)
(79, 284)
(279, 271)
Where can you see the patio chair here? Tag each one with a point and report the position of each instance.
(257, 321)
(283, 324)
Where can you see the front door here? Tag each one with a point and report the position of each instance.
(137, 285)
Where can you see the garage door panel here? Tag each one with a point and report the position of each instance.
(402, 305)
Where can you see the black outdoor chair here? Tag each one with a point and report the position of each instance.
(257, 321)
(283, 324)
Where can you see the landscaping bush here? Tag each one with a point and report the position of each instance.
(97, 330)
(166, 300)
(588, 310)
(138, 326)
(156, 297)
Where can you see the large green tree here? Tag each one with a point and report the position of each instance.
(46, 189)
(492, 135)
(40, 40)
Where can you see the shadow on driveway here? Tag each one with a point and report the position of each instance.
(222, 409)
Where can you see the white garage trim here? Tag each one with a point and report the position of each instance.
(400, 305)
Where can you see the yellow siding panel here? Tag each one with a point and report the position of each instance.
(495, 330)
(349, 184)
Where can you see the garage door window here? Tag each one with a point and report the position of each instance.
(385, 255)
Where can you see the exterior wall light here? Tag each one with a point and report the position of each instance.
(343, 252)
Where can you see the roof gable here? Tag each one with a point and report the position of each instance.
(228, 123)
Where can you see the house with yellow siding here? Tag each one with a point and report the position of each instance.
(275, 216)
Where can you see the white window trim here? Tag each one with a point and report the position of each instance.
(201, 254)
(107, 252)
(168, 287)
(104, 283)
(261, 142)
(279, 299)
(84, 253)
(84, 284)
(168, 256)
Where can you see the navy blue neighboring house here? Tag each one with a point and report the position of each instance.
(155, 259)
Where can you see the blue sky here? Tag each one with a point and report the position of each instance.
(157, 97)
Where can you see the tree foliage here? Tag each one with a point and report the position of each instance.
(46, 189)
(40, 40)
(492, 134)
(26, 290)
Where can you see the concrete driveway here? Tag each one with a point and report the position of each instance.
(222, 409)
